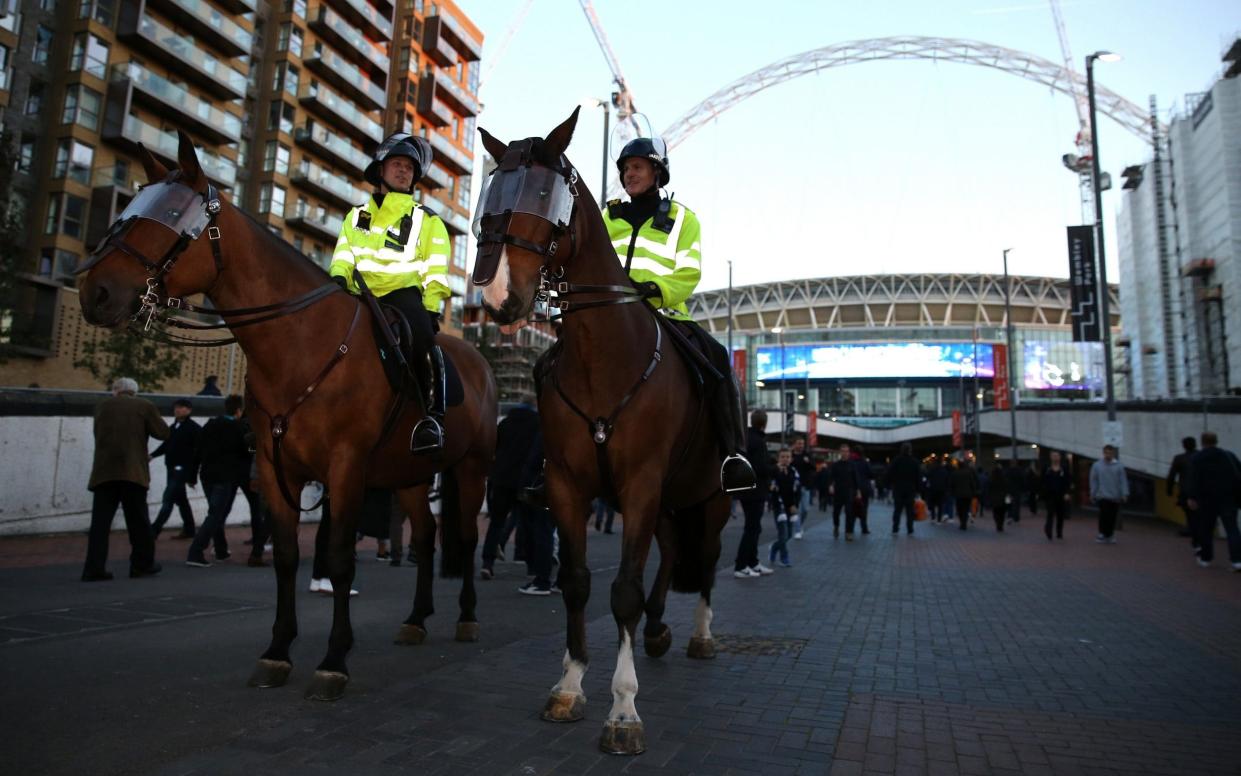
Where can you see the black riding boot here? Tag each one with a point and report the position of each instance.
(428, 436)
(736, 474)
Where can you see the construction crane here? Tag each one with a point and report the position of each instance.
(622, 98)
(1079, 162)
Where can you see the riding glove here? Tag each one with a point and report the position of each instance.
(650, 290)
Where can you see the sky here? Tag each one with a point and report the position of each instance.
(875, 167)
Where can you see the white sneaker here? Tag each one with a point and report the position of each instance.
(325, 587)
(316, 585)
(761, 570)
(797, 535)
(1100, 539)
(745, 574)
(1236, 567)
(1205, 563)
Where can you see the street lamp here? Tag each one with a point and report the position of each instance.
(1008, 363)
(595, 102)
(1106, 56)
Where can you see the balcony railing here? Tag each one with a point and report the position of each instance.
(350, 40)
(437, 178)
(206, 22)
(456, 223)
(431, 107)
(364, 15)
(346, 76)
(355, 121)
(326, 227)
(456, 96)
(436, 45)
(239, 6)
(221, 126)
(467, 44)
(207, 71)
(331, 144)
(219, 169)
(328, 184)
(457, 160)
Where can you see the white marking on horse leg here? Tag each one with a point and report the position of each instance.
(702, 619)
(624, 684)
(571, 680)
(496, 292)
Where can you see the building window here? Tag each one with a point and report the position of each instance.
(243, 152)
(53, 214)
(463, 191)
(238, 195)
(102, 11)
(25, 156)
(282, 37)
(296, 6)
(271, 199)
(276, 158)
(470, 133)
(42, 45)
(89, 54)
(65, 214)
(458, 252)
(34, 100)
(297, 244)
(73, 160)
(280, 116)
(289, 39)
(82, 107)
(277, 76)
(4, 67)
(47, 5)
(473, 76)
(290, 81)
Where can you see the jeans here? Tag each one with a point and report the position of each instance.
(998, 512)
(1205, 521)
(963, 510)
(747, 549)
(539, 527)
(258, 530)
(1057, 510)
(220, 497)
(857, 511)
(132, 498)
(839, 503)
(902, 502)
(780, 546)
(174, 494)
(803, 511)
(1108, 511)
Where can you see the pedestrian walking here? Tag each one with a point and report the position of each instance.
(604, 515)
(804, 464)
(513, 437)
(223, 464)
(965, 487)
(1015, 484)
(320, 575)
(1176, 474)
(842, 489)
(260, 515)
(120, 475)
(785, 499)
(531, 508)
(1213, 483)
(823, 484)
(1057, 489)
(746, 565)
(904, 475)
(182, 472)
(863, 493)
(937, 489)
(1109, 488)
(999, 497)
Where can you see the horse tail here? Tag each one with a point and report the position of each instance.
(452, 555)
(689, 527)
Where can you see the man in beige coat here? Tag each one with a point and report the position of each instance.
(120, 476)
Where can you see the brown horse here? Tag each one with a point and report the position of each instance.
(622, 417)
(322, 407)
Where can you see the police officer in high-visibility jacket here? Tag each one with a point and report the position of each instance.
(657, 242)
(401, 249)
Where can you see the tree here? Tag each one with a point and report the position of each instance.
(127, 353)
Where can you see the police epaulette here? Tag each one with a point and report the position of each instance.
(427, 210)
(614, 208)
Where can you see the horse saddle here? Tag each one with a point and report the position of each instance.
(396, 353)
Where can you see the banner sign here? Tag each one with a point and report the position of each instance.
(739, 365)
(1083, 285)
(957, 439)
(1000, 386)
(812, 429)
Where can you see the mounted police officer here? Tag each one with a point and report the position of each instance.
(401, 249)
(657, 240)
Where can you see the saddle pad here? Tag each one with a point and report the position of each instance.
(455, 391)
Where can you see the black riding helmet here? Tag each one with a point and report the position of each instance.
(399, 144)
(646, 148)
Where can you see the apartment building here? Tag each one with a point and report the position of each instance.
(285, 99)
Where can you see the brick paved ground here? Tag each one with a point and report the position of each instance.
(948, 652)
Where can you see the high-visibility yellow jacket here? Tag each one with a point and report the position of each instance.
(397, 245)
(670, 259)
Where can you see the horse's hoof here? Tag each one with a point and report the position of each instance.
(270, 673)
(327, 686)
(657, 646)
(622, 737)
(564, 707)
(411, 635)
(701, 649)
(467, 631)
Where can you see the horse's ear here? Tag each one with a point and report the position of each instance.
(494, 147)
(155, 171)
(558, 139)
(188, 159)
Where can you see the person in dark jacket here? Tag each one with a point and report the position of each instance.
(120, 476)
(178, 452)
(786, 499)
(823, 484)
(843, 487)
(532, 511)
(210, 386)
(1176, 473)
(938, 503)
(752, 501)
(223, 464)
(503, 484)
(964, 486)
(862, 494)
(804, 464)
(1015, 483)
(999, 497)
(1057, 488)
(904, 476)
(1213, 489)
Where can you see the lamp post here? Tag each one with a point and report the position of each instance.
(730, 308)
(779, 332)
(603, 182)
(1106, 56)
(1008, 363)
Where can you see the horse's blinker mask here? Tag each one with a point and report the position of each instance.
(521, 184)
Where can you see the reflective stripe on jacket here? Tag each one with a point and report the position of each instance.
(384, 261)
(671, 260)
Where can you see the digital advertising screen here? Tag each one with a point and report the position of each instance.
(1062, 366)
(877, 360)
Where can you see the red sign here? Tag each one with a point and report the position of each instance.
(957, 439)
(1000, 385)
(739, 366)
(812, 429)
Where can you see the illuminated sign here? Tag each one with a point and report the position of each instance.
(874, 361)
(1063, 366)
